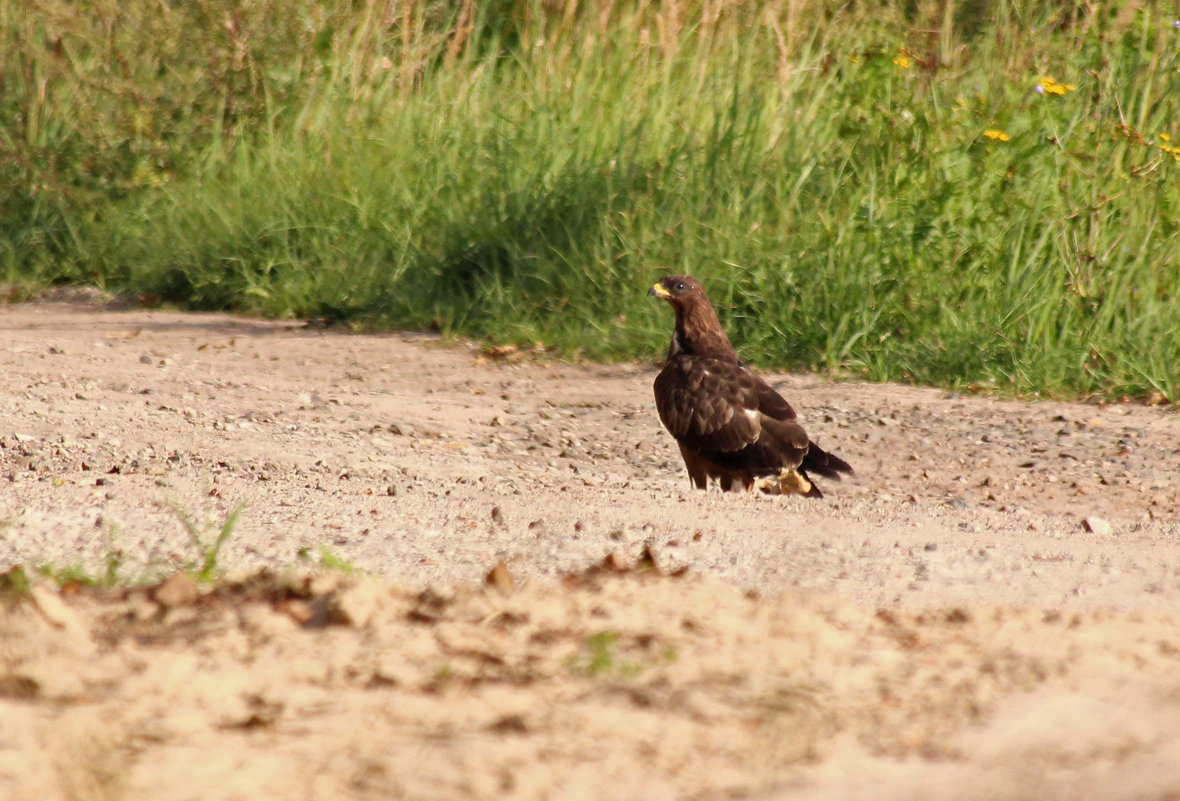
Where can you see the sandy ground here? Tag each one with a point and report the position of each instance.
(986, 610)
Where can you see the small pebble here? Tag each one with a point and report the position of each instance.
(1096, 525)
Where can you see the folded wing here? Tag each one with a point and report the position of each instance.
(718, 409)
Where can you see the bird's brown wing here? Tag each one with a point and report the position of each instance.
(718, 409)
(770, 403)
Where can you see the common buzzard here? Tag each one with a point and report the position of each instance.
(730, 424)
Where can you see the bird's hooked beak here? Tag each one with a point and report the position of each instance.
(658, 290)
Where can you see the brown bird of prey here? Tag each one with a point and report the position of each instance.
(730, 424)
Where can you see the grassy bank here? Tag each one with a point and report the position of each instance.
(979, 193)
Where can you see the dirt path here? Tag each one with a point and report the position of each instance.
(425, 465)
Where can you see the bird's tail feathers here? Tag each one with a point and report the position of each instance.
(823, 463)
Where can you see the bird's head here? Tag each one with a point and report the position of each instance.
(677, 289)
(697, 329)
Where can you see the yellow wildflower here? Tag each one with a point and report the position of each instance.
(1165, 137)
(1049, 85)
(995, 134)
(902, 60)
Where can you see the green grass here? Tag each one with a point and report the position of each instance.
(504, 170)
(328, 559)
(206, 567)
(78, 573)
(599, 657)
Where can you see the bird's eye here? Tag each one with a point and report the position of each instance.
(680, 286)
